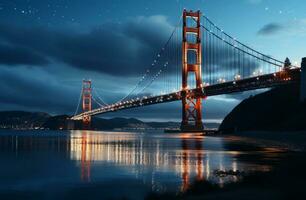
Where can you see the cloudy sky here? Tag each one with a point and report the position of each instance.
(48, 47)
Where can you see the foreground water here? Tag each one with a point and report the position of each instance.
(113, 165)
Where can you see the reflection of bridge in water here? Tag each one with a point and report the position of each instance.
(184, 155)
(181, 158)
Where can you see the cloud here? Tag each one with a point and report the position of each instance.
(295, 27)
(39, 92)
(142, 28)
(115, 49)
(270, 29)
(18, 55)
(125, 49)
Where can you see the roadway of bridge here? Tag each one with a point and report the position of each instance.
(285, 77)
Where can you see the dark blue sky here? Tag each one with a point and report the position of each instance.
(47, 47)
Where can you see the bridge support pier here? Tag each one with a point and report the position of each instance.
(192, 115)
(191, 103)
(303, 81)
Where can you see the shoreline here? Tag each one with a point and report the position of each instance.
(292, 141)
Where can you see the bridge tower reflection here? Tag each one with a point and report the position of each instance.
(87, 105)
(185, 171)
(199, 155)
(187, 150)
(85, 158)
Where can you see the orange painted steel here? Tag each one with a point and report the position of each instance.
(191, 107)
(87, 106)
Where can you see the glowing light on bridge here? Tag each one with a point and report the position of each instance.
(221, 80)
(237, 77)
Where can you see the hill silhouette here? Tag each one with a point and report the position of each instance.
(278, 109)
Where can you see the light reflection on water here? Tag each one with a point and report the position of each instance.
(182, 154)
(162, 162)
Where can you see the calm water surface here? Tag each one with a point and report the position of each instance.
(113, 165)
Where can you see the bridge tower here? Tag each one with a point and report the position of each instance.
(192, 106)
(86, 97)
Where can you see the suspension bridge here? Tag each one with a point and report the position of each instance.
(198, 60)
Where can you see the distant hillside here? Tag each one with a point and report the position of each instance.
(277, 110)
(28, 120)
(22, 120)
(56, 122)
(117, 123)
(31, 120)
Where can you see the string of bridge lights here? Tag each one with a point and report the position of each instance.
(99, 97)
(79, 102)
(95, 100)
(153, 64)
(154, 78)
(142, 79)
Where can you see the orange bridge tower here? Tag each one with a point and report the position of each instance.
(86, 97)
(192, 48)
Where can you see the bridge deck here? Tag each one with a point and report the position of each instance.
(252, 83)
